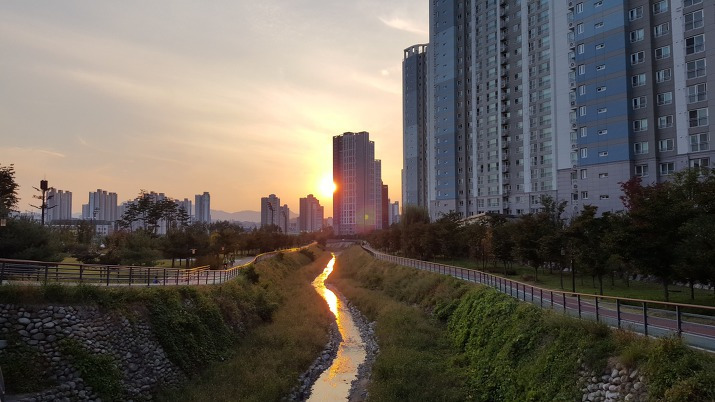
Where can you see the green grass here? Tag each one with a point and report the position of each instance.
(266, 363)
(635, 290)
(100, 371)
(248, 339)
(487, 346)
(24, 368)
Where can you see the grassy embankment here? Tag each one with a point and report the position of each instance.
(585, 284)
(248, 339)
(442, 339)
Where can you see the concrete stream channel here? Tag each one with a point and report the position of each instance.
(336, 381)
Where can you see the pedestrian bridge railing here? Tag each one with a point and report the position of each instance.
(695, 324)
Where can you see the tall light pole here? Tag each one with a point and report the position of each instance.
(44, 187)
(270, 207)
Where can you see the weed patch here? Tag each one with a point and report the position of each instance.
(99, 371)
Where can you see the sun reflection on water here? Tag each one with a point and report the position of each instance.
(328, 295)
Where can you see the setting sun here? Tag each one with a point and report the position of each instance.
(327, 187)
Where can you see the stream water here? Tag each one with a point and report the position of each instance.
(334, 383)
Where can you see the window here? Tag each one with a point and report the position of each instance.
(584, 174)
(639, 102)
(603, 154)
(600, 46)
(602, 109)
(584, 195)
(698, 117)
(638, 80)
(696, 68)
(583, 131)
(662, 75)
(581, 69)
(582, 90)
(666, 145)
(697, 93)
(660, 7)
(598, 25)
(602, 132)
(601, 89)
(665, 121)
(641, 170)
(582, 110)
(637, 35)
(635, 13)
(604, 196)
(665, 98)
(579, 8)
(700, 162)
(640, 148)
(637, 58)
(667, 168)
(584, 152)
(662, 29)
(579, 28)
(600, 67)
(581, 48)
(694, 20)
(597, 3)
(699, 142)
(688, 3)
(662, 52)
(695, 44)
(640, 125)
(602, 175)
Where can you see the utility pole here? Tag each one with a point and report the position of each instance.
(44, 187)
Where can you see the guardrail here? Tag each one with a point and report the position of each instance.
(695, 324)
(25, 271)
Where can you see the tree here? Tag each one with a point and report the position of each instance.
(590, 231)
(8, 190)
(656, 212)
(697, 251)
(25, 239)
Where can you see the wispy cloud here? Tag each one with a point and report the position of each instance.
(31, 151)
(403, 25)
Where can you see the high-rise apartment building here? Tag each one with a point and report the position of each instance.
(415, 172)
(559, 98)
(59, 205)
(357, 206)
(311, 214)
(102, 206)
(186, 205)
(202, 203)
(270, 210)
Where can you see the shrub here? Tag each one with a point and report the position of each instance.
(308, 253)
(24, 369)
(99, 371)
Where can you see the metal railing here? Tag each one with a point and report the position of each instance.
(695, 324)
(40, 272)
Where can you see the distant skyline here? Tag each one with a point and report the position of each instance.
(240, 99)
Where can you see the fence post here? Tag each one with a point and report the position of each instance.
(107, 275)
(47, 268)
(597, 320)
(645, 318)
(563, 297)
(541, 298)
(2, 273)
(578, 301)
(618, 312)
(164, 282)
(131, 272)
(81, 270)
(148, 276)
(552, 299)
(680, 321)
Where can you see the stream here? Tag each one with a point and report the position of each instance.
(334, 383)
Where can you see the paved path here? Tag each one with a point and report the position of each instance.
(695, 329)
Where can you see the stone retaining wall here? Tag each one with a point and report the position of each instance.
(130, 342)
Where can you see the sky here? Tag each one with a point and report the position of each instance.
(235, 97)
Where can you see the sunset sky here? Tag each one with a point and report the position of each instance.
(239, 98)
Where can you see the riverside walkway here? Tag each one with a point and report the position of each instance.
(24, 272)
(693, 323)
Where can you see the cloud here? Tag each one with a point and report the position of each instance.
(403, 25)
(31, 151)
